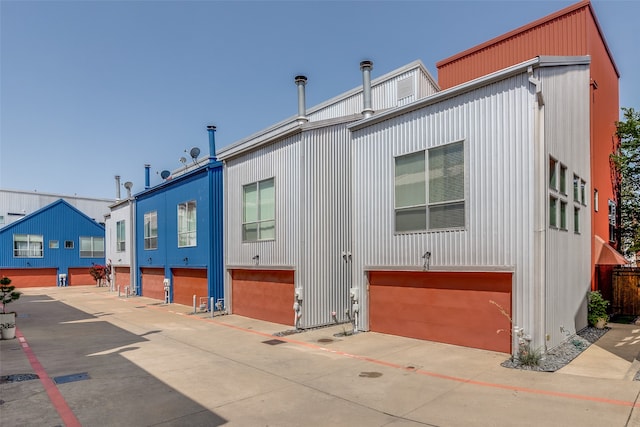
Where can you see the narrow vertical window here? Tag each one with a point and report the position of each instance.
(583, 192)
(187, 224)
(410, 192)
(259, 211)
(576, 189)
(595, 199)
(563, 215)
(553, 214)
(151, 230)
(552, 173)
(576, 220)
(120, 236)
(563, 179)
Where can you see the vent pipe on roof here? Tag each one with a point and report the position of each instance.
(117, 187)
(301, 81)
(212, 140)
(366, 67)
(147, 168)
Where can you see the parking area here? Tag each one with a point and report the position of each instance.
(104, 360)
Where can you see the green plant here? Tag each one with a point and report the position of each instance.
(597, 308)
(8, 294)
(525, 355)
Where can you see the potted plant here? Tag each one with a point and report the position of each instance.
(8, 294)
(597, 310)
(8, 331)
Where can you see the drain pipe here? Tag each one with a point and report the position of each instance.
(366, 67)
(301, 82)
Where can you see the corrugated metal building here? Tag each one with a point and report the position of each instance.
(288, 204)
(119, 242)
(571, 31)
(464, 201)
(15, 204)
(57, 239)
(179, 234)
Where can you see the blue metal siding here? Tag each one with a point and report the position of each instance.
(57, 221)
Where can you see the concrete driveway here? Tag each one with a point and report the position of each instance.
(104, 360)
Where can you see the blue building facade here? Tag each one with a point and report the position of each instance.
(179, 234)
(55, 240)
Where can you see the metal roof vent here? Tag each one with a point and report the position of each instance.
(301, 82)
(366, 67)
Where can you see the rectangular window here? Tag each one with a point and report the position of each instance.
(595, 199)
(411, 192)
(612, 221)
(91, 247)
(553, 214)
(187, 224)
(553, 184)
(445, 204)
(446, 186)
(68, 244)
(259, 211)
(583, 192)
(120, 236)
(563, 215)
(576, 220)
(576, 189)
(28, 245)
(563, 179)
(151, 230)
(54, 244)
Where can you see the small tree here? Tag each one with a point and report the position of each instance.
(627, 163)
(97, 272)
(8, 294)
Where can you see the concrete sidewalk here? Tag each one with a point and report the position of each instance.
(135, 362)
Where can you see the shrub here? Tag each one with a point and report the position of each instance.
(8, 294)
(597, 308)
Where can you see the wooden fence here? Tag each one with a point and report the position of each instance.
(626, 291)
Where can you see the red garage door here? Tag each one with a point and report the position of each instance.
(123, 276)
(263, 294)
(31, 277)
(152, 283)
(448, 307)
(188, 282)
(80, 276)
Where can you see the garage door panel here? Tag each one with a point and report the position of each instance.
(79, 276)
(152, 283)
(31, 277)
(188, 282)
(265, 294)
(428, 306)
(123, 276)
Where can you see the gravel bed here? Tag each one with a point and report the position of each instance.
(564, 353)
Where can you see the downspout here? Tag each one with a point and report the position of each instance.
(540, 217)
(212, 198)
(133, 269)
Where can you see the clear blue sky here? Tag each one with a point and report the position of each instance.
(94, 89)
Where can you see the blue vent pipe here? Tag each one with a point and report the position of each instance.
(147, 168)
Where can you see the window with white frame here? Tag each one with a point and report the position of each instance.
(151, 230)
(187, 224)
(259, 211)
(91, 247)
(433, 197)
(28, 245)
(576, 220)
(553, 212)
(120, 236)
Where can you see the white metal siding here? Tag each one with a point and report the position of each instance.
(495, 123)
(121, 212)
(568, 263)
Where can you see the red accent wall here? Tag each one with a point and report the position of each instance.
(152, 283)
(188, 282)
(448, 307)
(573, 30)
(264, 294)
(31, 277)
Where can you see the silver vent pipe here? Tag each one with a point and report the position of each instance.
(301, 82)
(366, 67)
(117, 187)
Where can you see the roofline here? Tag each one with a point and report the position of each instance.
(290, 125)
(45, 208)
(539, 61)
(61, 196)
(211, 164)
(567, 10)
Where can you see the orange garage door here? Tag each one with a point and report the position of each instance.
(263, 294)
(80, 276)
(152, 283)
(123, 277)
(188, 282)
(31, 277)
(448, 307)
